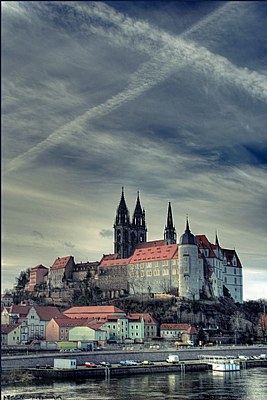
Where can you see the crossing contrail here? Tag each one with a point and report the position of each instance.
(167, 53)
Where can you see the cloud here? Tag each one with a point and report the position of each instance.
(169, 111)
(106, 233)
(172, 53)
(37, 235)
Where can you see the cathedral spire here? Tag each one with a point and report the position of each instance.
(170, 233)
(122, 215)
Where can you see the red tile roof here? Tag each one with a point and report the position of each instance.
(5, 329)
(47, 312)
(204, 243)
(229, 254)
(110, 257)
(65, 322)
(77, 322)
(40, 266)
(92, 311)
(165, 252)
(19, 309)
(148, 318)
(153, 243)
(111, 262)
(61, 262)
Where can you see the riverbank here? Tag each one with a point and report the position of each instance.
(82, 373)
(18, 369)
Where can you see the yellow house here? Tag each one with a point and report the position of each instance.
(10, 334)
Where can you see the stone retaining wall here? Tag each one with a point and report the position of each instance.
(115, 357)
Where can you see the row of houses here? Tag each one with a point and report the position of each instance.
(22, 323)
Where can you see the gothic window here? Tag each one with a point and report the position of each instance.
(118, 235)
(126, 236)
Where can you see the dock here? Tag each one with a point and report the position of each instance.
(82, 372)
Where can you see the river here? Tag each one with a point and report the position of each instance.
(247, 384)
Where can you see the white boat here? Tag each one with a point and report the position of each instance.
(222, 363)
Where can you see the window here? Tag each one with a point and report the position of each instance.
(149, 273)
(235, 271)
(174, 271)
(165, 271)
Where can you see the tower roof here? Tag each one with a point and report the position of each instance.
(138, 208)
(188, 237)
(169, 217)
(122, 215)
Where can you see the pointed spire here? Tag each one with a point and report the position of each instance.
(170, 233)
(169, 217)
(138, 208)
(216, 239)
(187, 229)
(122, 215)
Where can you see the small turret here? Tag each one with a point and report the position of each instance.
(188, 237)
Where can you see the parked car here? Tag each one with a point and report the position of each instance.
(124, 363)
(146, 362)
(105, 364)
(75, 350)
(128, 363)
(90, 365)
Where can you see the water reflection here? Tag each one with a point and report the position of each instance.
(236, 385)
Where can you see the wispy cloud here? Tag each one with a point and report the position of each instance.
(172, 54)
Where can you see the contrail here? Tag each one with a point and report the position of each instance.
(172, 53)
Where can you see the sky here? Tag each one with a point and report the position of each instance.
(168, 98)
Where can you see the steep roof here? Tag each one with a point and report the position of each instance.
(61, 262)
(6, 296)
(204, 243)
(7, 328)
(187, 237)
(47, 312)
(229, 255)
(147, 317)
(109, 257)
(165, 252)
(19, 309)
(40, 266)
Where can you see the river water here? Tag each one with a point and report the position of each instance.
(250, 384)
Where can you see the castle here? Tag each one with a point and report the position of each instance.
(192, 269)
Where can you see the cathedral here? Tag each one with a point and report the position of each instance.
(194, 268)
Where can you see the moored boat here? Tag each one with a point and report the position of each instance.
(222, 363)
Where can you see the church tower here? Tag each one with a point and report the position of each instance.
(122, 230)
(170, 232)
(138, 234)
